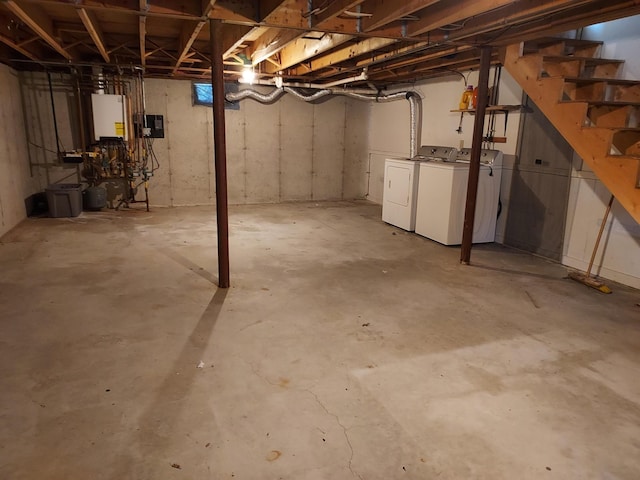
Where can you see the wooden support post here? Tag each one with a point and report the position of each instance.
(220, 151)
(476, 147)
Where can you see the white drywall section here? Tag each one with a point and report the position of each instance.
(618, 256)
(287, 151)
(15, 179)
(621, 39)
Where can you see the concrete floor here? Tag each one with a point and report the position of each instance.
(345, 349)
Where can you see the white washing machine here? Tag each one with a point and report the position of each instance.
(400, 191)
(442, 195)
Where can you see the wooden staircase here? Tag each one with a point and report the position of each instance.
(597, 113)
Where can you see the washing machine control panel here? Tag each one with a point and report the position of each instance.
(487, 157)
(433, 153)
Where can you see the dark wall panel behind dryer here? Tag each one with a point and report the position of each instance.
(540, 188)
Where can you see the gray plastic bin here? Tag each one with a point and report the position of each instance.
(64, 199)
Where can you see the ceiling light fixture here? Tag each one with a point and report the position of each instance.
(248, 75)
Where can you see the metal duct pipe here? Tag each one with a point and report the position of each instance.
(415, 119)
(262, 98)
(415, 113)
(415, 104)
(308, 98)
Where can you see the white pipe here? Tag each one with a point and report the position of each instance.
(358, 78)
(275, 83)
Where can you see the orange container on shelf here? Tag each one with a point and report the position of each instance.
(466, 99)
(474, 98)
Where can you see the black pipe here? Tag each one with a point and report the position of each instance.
(476, 150)
(81, 121)
(55, 121)
(220, 151)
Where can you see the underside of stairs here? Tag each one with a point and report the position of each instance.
(597, 113)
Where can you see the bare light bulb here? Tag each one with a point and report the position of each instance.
(248, 75)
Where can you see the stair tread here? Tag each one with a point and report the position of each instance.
(569, 58)
(616, 129)
(613, 81)
(568, 41)
(605, 103)
(533, 45)
(623, 157)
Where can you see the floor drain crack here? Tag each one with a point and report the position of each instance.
(344, 431)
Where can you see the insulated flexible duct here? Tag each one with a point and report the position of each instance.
(308, 98)
(262, 98)
(415, 114)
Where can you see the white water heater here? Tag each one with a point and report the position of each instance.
(109, 116)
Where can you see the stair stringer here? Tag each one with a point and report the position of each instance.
(618, 173)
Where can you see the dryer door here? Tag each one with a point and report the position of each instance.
(398, 182)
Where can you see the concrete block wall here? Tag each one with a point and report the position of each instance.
(15, 179)
(39, 125)
(287, 151)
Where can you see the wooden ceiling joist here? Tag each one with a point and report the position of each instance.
(312, 40)
(384, 12)
(333, 10)
(91, 24)
(19, 48)
(39, 22)
(271, 43)
(190, 33)
(304, 48)
(361, 48)
(451, 13)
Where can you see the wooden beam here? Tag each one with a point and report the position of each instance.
(142, 31)
(271, 43)
(19, 48)
(236, 11)
(232, 38)
(37, 21)
(447, 13)
(384, 12)
(365, 46)
(187, 37)
(522, 12)
(250, 36)
(304, 48)
(91, 24)
(333, 10)
(555, 24)
(207, 8)
(190, 33)
(440, 58)
(267, 7)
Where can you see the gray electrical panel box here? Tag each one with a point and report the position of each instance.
(155, 126)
